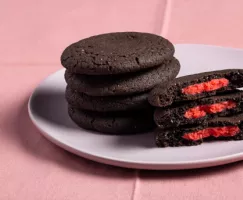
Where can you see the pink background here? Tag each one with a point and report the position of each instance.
(33, 33)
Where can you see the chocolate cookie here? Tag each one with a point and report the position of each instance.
(107, 104)
(196, 86)
(124, 84)
(115, 53)
(113, 123)
(222, 128)
(196, 112)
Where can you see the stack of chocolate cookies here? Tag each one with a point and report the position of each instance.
(199, 107)
(109, 78)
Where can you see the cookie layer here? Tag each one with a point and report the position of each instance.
(196, 112)
(123, 84)
(196, 86)
(222, 128)
(107, 104)
(115, 53)
(113, 123)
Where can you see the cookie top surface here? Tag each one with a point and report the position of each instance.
(123, 84)
(228, 120)
(115, 53)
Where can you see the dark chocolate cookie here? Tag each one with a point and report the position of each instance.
(197, 112)
(110, 85)
(113, 123)
(222, 128)
(115, 53)
(196, 86)
(107, 104)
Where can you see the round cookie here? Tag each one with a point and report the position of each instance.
(107, 104)
(201, 85)
(113, 123)
(124, 84)
(115, 53)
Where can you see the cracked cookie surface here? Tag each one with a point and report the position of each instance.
(115, 53)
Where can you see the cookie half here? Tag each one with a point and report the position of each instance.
(196, 112)
(115, 53)
(107, 104)
(222, 128)
(113, 85)
(113, 123)
(196, 86)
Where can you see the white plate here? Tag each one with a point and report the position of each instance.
(48, 111)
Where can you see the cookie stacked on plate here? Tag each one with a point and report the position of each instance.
(199, 107)
(109, 77)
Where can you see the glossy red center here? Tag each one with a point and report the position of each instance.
(203, 110)
(227, 131)
(212, 85)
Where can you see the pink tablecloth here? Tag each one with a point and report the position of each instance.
(32, 36)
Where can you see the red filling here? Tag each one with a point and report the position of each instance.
(201, 111)
(226, 131)
(214, 84)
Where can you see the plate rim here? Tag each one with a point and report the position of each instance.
(151, 165)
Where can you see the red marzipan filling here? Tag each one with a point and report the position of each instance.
(212, 85)
(201, 111)
(226, 131)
